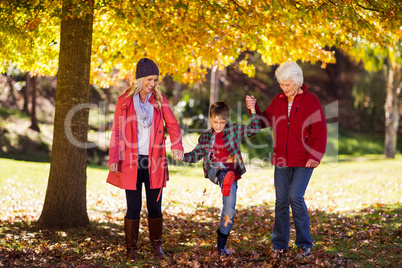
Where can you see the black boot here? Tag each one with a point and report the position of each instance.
(155, 235)
(221, 243)
(131, 229)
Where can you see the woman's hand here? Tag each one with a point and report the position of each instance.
(113, 167)
(311, 163)
(177, 154)
(250, 103)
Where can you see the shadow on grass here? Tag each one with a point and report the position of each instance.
(29, 157)
(370, 237)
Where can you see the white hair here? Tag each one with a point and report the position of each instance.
(289, 71)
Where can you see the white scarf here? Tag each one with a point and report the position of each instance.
(145, 111)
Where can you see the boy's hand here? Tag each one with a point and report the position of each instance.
(250, 103)
(177, 154)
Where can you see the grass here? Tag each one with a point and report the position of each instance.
(354, 203)
(360, 144)
(6, 113)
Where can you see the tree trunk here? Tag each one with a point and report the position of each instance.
(391, 108)
(335, 72)
(214, 91)
(65, 202)
(34, 120)
(177, 88)
(11, 99)
(25, 109)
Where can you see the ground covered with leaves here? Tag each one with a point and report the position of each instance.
(189, 241)
(366, 237)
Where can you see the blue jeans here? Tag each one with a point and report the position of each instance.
(290, 186)
(228, 210)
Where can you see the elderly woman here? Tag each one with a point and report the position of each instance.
(137, 152)
(300, 138)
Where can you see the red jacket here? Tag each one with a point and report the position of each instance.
(300, 136)
(123, 147)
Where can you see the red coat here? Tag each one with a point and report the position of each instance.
(300, 136)
(123, 147)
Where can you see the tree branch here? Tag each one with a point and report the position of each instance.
(236, 4)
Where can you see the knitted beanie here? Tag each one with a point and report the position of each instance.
(146, 67)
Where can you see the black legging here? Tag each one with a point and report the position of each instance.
(134, 197)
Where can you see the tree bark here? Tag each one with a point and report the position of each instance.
(177, 88)
(65, 202)
(335, 73)
(391, 108)
(34, 120)
(12, 100)
(25, 109)
(214, 91)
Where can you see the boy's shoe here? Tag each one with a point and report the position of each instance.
(223, 252)
(227, 183)
(305, 250)
(221, 243)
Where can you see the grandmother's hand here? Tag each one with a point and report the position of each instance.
(177, 154)
(311, 163)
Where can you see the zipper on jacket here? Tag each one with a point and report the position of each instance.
(287, 132)
(287, 142)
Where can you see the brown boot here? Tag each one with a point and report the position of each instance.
(155, 235)
(131, 229)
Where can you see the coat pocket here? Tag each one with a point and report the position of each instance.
(307, 142)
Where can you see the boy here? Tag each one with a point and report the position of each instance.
(223, 164)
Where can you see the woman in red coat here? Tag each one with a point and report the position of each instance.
(137, 153)
(300, 139)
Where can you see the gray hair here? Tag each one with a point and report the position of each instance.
(289, 71)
